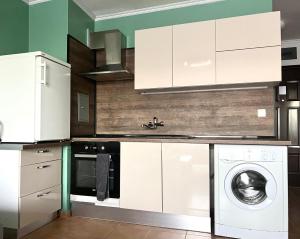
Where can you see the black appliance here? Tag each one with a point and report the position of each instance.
(83, 168)
(288, 119)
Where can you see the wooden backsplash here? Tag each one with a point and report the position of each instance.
(122, 110)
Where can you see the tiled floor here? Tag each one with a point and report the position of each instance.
(81, 228)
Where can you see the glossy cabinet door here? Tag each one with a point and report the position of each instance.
(153, 58)
(258, 30)
(194, 54)
(141, 183)
(52, 106)
(249, 66)
(37, 177)
(40, 205)
(186, 179)
(40, 155)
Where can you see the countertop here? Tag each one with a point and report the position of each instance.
(199, 140)
(23, 146)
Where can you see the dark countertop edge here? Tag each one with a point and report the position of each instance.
(192, 141)
(23, 146)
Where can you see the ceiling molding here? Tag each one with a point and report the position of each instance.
(33, 2)
(152, 9)
(87, 11)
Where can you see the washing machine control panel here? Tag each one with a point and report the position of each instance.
(252, 153)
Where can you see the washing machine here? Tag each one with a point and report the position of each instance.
(251, 191)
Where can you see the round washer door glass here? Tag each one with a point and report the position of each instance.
(249, 187)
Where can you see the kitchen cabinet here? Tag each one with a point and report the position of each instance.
(235, 50)
(256, 65)
(251, 31)
(153, 58)
(30, 191)
(186, 179)
(141, 182)
(34, 98)
(37, 206)
(194, 54)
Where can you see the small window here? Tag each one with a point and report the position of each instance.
(83, 107)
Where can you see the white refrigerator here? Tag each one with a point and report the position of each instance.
(34, 98)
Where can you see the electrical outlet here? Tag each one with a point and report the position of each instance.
(261, 113)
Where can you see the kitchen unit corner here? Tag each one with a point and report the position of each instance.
(31, 182)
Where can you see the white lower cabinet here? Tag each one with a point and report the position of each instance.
(30, 186)
(141, 185)
(165, 177)
(37, 177)
(37, 206)
(186, 179)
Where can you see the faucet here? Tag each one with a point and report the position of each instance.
(153, 124)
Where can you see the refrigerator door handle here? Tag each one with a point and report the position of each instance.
(44, 68)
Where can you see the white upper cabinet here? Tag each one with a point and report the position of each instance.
(186, 179)
(194, 54)
(256, 65)
(153, 58)
(234, 50)
(259, 30)
(141, 182)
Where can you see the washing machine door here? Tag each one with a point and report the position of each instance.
(250, 186)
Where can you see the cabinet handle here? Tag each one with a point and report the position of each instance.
(44, 67)
(42, 151)
(43, 194)
(44, 166)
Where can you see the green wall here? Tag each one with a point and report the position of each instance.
(48, 28)
(13, 27)
(227, 8)
(79, 22)
(66, 178)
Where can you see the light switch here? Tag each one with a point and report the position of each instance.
(282, 90)
(261, 113)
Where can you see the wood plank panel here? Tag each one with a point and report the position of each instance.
(122, 110)
(85, 86)
(82, 59)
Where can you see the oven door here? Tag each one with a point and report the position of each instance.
(83, 175)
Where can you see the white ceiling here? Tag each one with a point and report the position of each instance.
(290, 15)
(106, 9)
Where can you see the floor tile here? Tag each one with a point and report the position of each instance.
(74, 228)
(160, 233)
(127, 231)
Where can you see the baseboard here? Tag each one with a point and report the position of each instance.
(190, 223)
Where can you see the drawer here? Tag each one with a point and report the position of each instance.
(40, 155)
(40, 205)
(38, 177)
(258, 65)
(251, 31)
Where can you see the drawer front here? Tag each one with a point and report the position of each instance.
(40, 155)
(249, 66)
(37, 206)
(251, 31)
(38, 177)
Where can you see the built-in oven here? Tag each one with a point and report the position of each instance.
(83, 168)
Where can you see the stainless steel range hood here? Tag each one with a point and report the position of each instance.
(111, 42)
